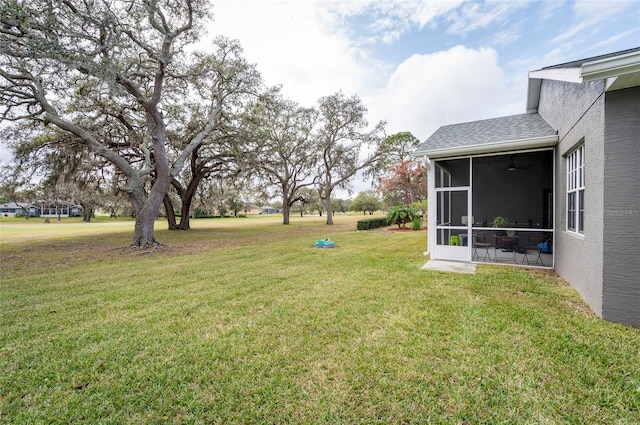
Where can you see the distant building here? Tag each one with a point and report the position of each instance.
(12, 209)
(41, 209)
(268, 210)
(59, 209)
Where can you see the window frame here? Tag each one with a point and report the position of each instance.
(576, 161)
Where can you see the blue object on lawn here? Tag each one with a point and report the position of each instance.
(325, 243)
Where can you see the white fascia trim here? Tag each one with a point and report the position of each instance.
(611, 67)
(570, 75)
(589, 71)
(503, 146)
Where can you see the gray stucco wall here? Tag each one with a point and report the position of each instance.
(621, 295)
(577, 112)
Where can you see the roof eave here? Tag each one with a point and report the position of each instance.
(611, 67)
(484, 148)
(606, 69)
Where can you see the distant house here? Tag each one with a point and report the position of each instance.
(12, 209)
(58, 209)
(268, 210)
(251, 209)
(566, 175)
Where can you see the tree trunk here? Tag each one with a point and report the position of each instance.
(87, 212)
(171, 215)
(286, 208)
(185, 214)
(187, 195)
(329, 208)
(143, 232)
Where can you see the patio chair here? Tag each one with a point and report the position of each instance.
(506, 244)
(532, 248)
(479, 242)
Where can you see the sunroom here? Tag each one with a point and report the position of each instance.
(491, 191)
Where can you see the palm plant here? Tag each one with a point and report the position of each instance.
(401, 215)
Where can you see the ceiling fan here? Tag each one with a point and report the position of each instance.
(512, 165)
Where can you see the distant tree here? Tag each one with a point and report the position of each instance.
(309, 200)
(305, 201)
(400, 148)
(404, 183)
(422, 208)
(284, 155)
(345, 144)
(366, 201)
(235, 203)
(340, 205)
(405, 177)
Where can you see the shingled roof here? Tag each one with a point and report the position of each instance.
(580, 62)
(495, 134)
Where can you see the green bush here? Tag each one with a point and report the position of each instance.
(401, 215)
(371, 223)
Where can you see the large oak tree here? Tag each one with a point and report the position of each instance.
(345, 144)
(108, 72)
(284, 152)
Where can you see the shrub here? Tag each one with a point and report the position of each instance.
(401, 215)
(371, 223)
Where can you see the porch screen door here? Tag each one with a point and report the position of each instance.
(453, 228)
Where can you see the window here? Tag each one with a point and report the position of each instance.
(575, 190)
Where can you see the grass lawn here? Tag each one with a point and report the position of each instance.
(243, 321)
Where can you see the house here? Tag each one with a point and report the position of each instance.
(58, 209)
(565, 174)
(268, 210)
(12, 209)
(252, 209)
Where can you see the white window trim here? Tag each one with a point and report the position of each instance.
(575, 190)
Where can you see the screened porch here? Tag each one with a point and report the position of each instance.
(495, 208)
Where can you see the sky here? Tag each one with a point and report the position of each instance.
(419, 65)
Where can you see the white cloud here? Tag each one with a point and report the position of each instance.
(456, 85)
(509, 35)
(308, 47)
(473, 15)
(296, 44)
(589, 13)
(390, 19)
(548, 9)
(615, 38)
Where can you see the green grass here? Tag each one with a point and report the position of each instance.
(243, 321)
